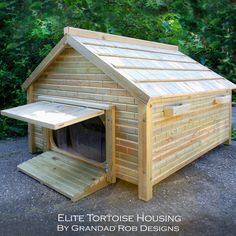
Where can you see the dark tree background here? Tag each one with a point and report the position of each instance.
(204, 29)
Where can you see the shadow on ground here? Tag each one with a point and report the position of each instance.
(203, 194)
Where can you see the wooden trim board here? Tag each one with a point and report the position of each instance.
(145, 152)
(228, 142)
(109, 164)
(31, 128)
(76, 102)
(110, 145)
(45, 63)
(51, 115)
(153, 100)
(116, 38)
(223, 99)
(177, 109)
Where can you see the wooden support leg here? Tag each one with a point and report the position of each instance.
(145, 153)
(145, 191)
(31, 139)
(110, 144)
(228, 142)
(46, 139)
(31, 128)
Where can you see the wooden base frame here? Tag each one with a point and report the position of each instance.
(145, 164)
(146, 184)
(183, 164)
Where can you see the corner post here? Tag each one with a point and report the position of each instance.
(110, 144)
(228, 142)
(46, 139)
(31, 128)
(145, 151)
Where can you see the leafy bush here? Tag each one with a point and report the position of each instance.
(233, 135)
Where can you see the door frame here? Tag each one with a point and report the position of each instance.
(109, 165)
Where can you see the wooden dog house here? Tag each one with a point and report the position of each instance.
(155, 109)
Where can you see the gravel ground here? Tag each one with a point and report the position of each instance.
(203, 194)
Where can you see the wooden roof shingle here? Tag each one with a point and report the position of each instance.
(148, 70)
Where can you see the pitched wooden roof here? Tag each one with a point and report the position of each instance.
(146, 69)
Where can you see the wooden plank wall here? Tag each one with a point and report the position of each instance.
(72, 76)
(181, 139)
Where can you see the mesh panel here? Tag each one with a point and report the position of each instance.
(62, 138)
(86, 138)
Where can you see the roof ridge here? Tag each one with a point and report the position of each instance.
(129, 79)
(117, 38)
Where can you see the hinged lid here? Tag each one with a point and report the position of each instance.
(51, 115)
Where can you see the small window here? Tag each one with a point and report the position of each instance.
(87, 138)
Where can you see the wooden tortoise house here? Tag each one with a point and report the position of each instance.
(102, 107)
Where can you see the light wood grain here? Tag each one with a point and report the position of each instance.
(116, 38)
(107, 69)
(177, 109)
(145, 153)
(51, 115)
(76, 102)
(146, 69)
(96, 91)
(110, 144)
(223, 99)
(72, 178)
(179, 140)
(31, 128)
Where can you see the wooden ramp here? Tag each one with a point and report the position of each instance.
(72, 178)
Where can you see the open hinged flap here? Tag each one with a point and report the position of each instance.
(71, 177)
(51, 115)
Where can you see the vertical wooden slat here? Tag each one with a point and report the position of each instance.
(46, 139)
(110, 144)
(145, 152)
(228, 142)
(31, 128)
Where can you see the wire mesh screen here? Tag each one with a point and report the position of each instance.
(87, 138)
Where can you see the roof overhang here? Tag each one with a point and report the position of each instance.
(115, 38)
(144, 90)
(93, 58)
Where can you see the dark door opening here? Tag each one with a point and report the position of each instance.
(87, 138)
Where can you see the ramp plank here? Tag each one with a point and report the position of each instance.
(72, 178)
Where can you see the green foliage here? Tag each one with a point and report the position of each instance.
(233, 135)
(204, 29)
